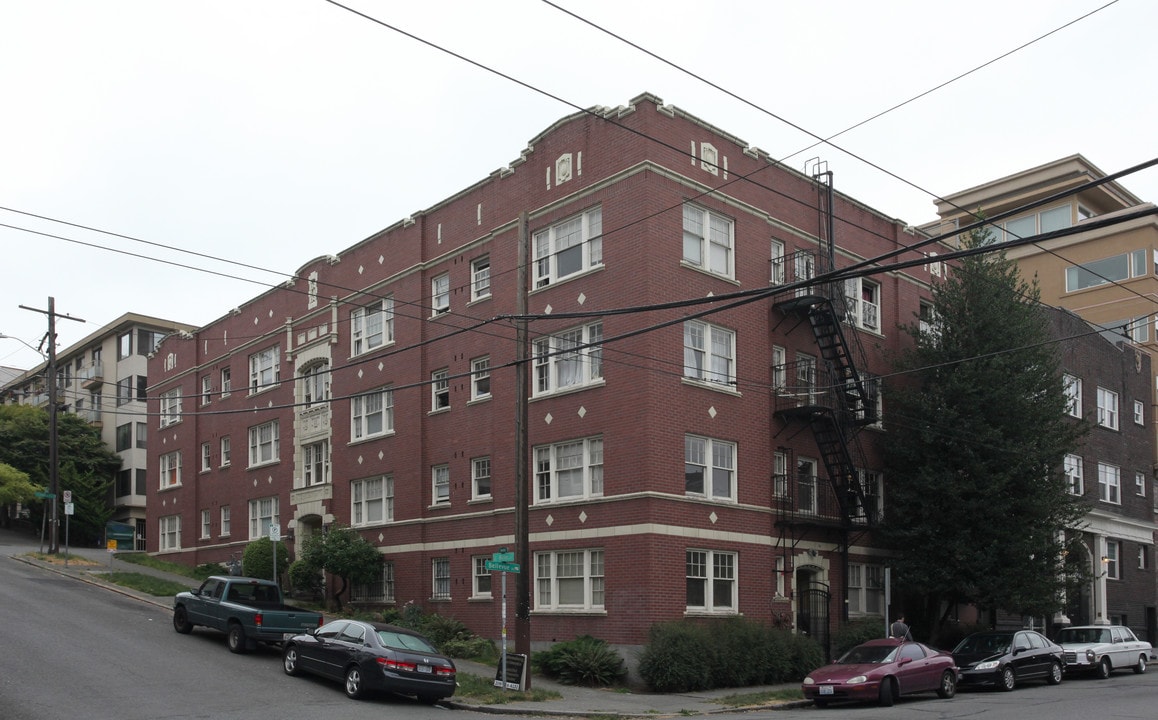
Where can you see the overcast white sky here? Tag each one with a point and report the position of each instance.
(269, 132)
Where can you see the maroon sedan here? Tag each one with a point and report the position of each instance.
(882, 670)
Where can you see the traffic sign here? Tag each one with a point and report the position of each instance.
(43, 495)
(69, 508)
(502, 566)
(67, 496)
(503, 557)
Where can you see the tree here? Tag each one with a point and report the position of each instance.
(257, 560)
(86, 465)
(15, 487)
(977, 501)
(344, 553)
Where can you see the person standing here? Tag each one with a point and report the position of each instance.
(899, 629)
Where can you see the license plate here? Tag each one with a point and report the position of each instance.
(424, 668)
(825, 689)
(288, 636)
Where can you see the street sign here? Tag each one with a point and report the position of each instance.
(67, 496)
(503, 557)
(69, 508)
(111, 545)
(502, 566)
(274, 532)
(43, 495)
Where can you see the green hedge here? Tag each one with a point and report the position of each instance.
(583, 661)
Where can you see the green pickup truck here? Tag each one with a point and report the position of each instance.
(248, 610)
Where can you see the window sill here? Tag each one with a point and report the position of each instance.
(480, 599)
(556, 282)
(479, 299)
(438, 506)
(714, 386)
(701, 613)
(167, 488)
(259, 465)
(264, 389)
(569, 389)
(482, 500)
(479, 400)
(370, 438)
(709, 273)
(439, 411)
(587, 612)
(367, 351)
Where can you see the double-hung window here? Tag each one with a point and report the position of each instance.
(866, 589)
(708, 241)
(372, 414)
(264, 369)
(262, 514)
(440, 294)
(440, 583)
(569, 247)
(372, 500)
(711, 581)
(709, 467)
(778, 273)
(170, 407)
(1139, 413)
(169, 465)
(480, 278)
(1072, 467)
(481, 478)
(440, 484)
(570, 359)
(263, 443)
(205, 524)
(226, 451)
(372, 325)
(226, 381)
(1107, 408)
(1113, 559)
(1109, 483)
(863, 298)
(206, 389)
(316, 384)
(1072, 387)
(709, 353)
(480, 378)
(206, 458)
(481, 585)
(440, 390)
(569, 470)
(170, 532)
(569, 580)
(224, 521)
(316, 463)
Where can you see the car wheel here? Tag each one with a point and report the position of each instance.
(181, 621)
(354, 687)
(948, 686)
(289, 660)
(887, 695)
(1055, 673)
(1104, 668)
(1140, 667)
(1008, 679)
(236, 638)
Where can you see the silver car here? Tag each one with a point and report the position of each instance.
(1101, 649)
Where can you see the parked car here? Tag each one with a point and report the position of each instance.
(882, 670)
(248, 610)
(368, 656)
(1004, 659)
(1101, 649)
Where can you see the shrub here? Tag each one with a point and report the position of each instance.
(806, 655)
(473, 648)
(441, 630)
(206, 569)
(583, 661)
(305, 579)
(855, 633)
(674, 659)
(257, 560)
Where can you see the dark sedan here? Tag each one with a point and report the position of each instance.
(369, 656)
(1004, 659)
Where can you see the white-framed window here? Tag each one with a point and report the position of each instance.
(863, 298)
(440, 293)
(570, 359)
(169, 533)
(803, 270)
(1109, 483)
(206, 528)
(777, 260)
(806, 486)
(1140, 484)
(316, 463)
(316, 384)
(1139, 413)
(872, 486)
(481, 582)
(1075, 483)
(1072, 387)
(170, 468)
(262, 513)
(380, 589)
(372, 414)
(927, 322)
(440, 581)
(569, 247)
(1107, 408)
(779, 368)
(711, 581)
(1143, 557)
(206, 458)
(264, 443)
(709, 467)
(170, 407)
(569, 580)
(440, 484)
(708, 241)
(264, 369)
(372, 500)
(480, 378)
(780, 474)
(372, 325)
(440, 390)
(480, 278)
(206, 389)
(709, 353)
(225, 451)
(1113, 559)
(226, 381)
(866, 589)
(480, 481)
(224, 521)
(569, 470)
(1111, 269)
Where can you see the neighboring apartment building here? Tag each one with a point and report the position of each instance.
(1108, 385)
(103, 378)
(680, 465)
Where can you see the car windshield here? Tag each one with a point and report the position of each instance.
(404, 641)
(989, 644)
(1084, 635)
(868, 654)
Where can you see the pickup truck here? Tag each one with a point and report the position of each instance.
(248, 610)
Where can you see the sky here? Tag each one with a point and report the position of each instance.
(261, 134)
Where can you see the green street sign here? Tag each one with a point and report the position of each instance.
(503, 557)
(502, 566)
(44, 495)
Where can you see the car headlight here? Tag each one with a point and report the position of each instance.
(856, 680)
(809, 681)
(987, 665)
(1090, 655)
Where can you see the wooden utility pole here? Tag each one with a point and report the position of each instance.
(522, 481)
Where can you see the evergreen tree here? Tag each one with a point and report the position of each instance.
(977, 501)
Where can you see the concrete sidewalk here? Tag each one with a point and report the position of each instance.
(573, 701)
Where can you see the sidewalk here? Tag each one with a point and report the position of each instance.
(574, 701)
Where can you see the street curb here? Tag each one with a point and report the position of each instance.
(85, 577)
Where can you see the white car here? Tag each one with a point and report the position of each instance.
(1101, 649)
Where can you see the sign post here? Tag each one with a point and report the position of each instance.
(274, 539)
(504, 562)
(69, 509)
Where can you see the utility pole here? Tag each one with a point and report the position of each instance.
(53, 438)
(522, 484)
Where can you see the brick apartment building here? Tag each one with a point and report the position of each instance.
(680, 464)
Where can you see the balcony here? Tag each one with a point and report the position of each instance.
(812, 500)
(92, 416)
(91, 377)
